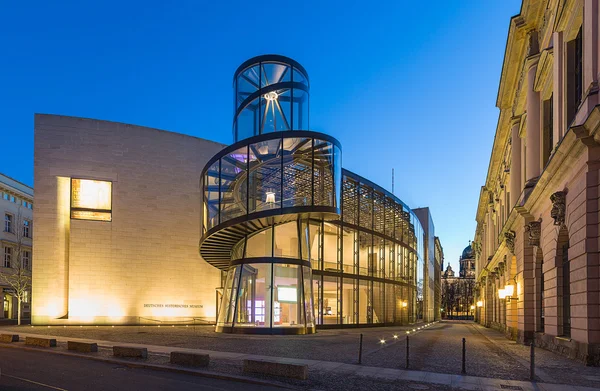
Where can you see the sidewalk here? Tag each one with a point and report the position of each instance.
(336, 368)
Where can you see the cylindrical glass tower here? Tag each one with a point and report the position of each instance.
(271, 95)
(260, 195)
(301, 242)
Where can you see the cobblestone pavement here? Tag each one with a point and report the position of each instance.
(435, 349)
(488, 354)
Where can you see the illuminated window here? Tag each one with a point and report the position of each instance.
(91, 200)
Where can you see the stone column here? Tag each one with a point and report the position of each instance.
(489, 302)
(533, 124)
(515, 163)
(526, 292)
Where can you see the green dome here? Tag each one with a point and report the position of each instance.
(467, 252)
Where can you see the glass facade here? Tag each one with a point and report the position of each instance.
(271, 95)
(370, 259)
(364, 268)
(303, 242)
(275, 174)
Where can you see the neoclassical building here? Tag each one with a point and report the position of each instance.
(16, 205)
(267, 235)
(458, 290)
(537, 237)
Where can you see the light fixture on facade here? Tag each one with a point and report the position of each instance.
(405, 304)
(501, 294)
(271, 96)
(480, 304)
(509, 289)
(270, 197)
(472, 307)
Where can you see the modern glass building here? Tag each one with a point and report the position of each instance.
(302, 242)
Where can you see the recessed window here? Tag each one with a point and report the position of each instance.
(91, 200)
(574, 76)
(26, 260)
(8, 222)
(7, 256)
(26, 228)
(6, 196)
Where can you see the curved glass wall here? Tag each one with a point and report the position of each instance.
(303, 242)
(272, 172)
(269, 285)
(368, 267)
(271, 95)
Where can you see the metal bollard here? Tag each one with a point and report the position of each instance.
(532, 363)
(360, 350)
(407, 352)
(464, 353)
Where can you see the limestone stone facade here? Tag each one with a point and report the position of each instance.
(142, 266)
(537, 231)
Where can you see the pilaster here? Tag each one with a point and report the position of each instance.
(532, 168)
(515, 162)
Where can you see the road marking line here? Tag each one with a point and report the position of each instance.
(34, 382)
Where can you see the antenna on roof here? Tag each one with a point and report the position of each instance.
(393, 181)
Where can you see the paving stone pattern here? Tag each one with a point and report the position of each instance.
(435, 349)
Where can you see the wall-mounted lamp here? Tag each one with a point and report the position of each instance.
(507, 293)
(270, 197)
(472, 307)
(501, 294)
(480, 304)
(404, 304)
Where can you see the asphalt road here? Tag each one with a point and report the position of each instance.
(26, 370)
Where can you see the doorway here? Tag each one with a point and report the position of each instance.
(6, 308)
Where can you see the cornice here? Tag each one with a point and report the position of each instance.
(565, 10)
(544, 69)
(482, 205)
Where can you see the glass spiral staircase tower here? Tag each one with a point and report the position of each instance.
(260, 195)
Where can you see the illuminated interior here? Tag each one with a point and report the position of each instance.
(91, 199)
(302, 243)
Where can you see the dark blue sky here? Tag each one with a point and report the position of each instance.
(408, 85)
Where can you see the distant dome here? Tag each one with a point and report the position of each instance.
(467, 252)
